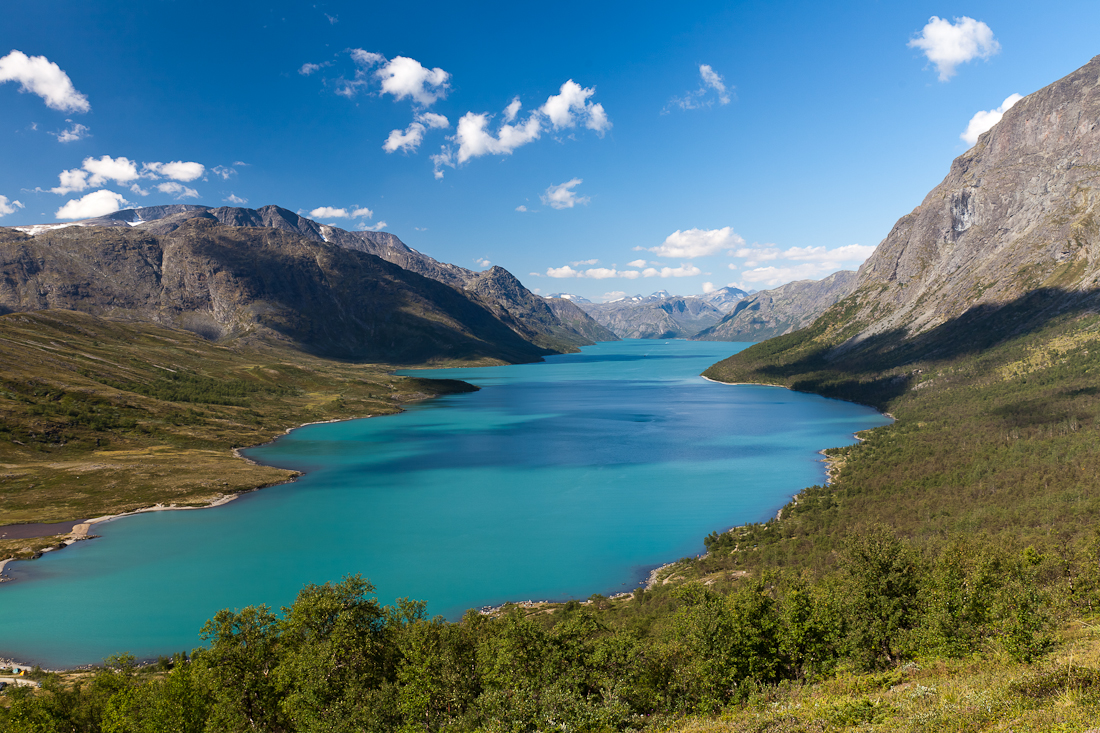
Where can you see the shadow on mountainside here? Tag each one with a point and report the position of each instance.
(342, 303)
(874, 370)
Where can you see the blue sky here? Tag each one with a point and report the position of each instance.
(653, 146)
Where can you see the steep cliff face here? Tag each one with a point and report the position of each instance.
(772, 313)
(231, 282)
(1016, 213)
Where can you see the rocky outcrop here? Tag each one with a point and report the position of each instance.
(227, 282)
(1017, 213)
(781, 310)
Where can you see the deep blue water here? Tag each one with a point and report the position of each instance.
(557, 480)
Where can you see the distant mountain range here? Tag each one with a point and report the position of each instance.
(230, 272)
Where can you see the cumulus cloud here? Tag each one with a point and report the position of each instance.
(613, 295)
(235, 200)
(637, 263)
(475, 140)
(433, 120)
(38, 75)
(134, 188)
(772, 276)
(364, 227)
(483, 262)
(512, 109)
(755, 255)
(592, 273)
(178, 190)
(7, 207)
(983, 120)
(848, 253)
(224, 171)
(681, 271)
(562, 196)
(408, 139)
(692, 243)
(947, 44)
(521, 207)
(331, 212)
(76, 132)
(97, 203)
(571, 105)
(592, 261)
(564, 271)
(404, 77)
(712, 88)
(708, 288)
(177, 170)
(95, 172)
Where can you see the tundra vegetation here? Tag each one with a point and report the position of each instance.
(946, 579)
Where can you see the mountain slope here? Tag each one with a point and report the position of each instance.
(977, 324)
(514, 304)
(781, 310)
(654, 317)
(223, 281)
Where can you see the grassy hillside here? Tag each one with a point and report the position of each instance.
(99, 417)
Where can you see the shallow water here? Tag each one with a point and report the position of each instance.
(557, 480)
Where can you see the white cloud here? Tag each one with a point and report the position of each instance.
(592, 261)
(512, 110)
(571, 104)
(630, 274)
(637, 263)
(332, 19)
(97, 203)
(756, 255)
(177, 170)
(404, 77)
(521, 207)
(407, 140)
(613, 295)
(366, 59)
(696, 243)
(178, 190)
(433, 120)
(775, 276)
(8, 208)
(234, 199)
(848, 253)
(307, 69)
(445, 157)
(76, 132)
(711, 81)
(562, 195)
(364, 227)
(331, 212)
(39, 75)
(565, 271)
(95, 172)
(474, 140)
(601, 273)
(483, 262)
(681, 271)
(983, 120)
(223, 171)
(948, 44)
(134, 188)
(709, 287)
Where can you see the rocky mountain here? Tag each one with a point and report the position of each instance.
(526, 313)
(725, 299)
(771, 313)
(1016, 216)
(655, 316)
(254, 283)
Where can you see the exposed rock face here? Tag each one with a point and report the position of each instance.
(571, 315)
(222, 281)
(787, 308)
(656, 318)
(725, 299)
(1016, 213)
(514, 304)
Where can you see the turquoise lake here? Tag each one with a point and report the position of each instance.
(557, 480)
